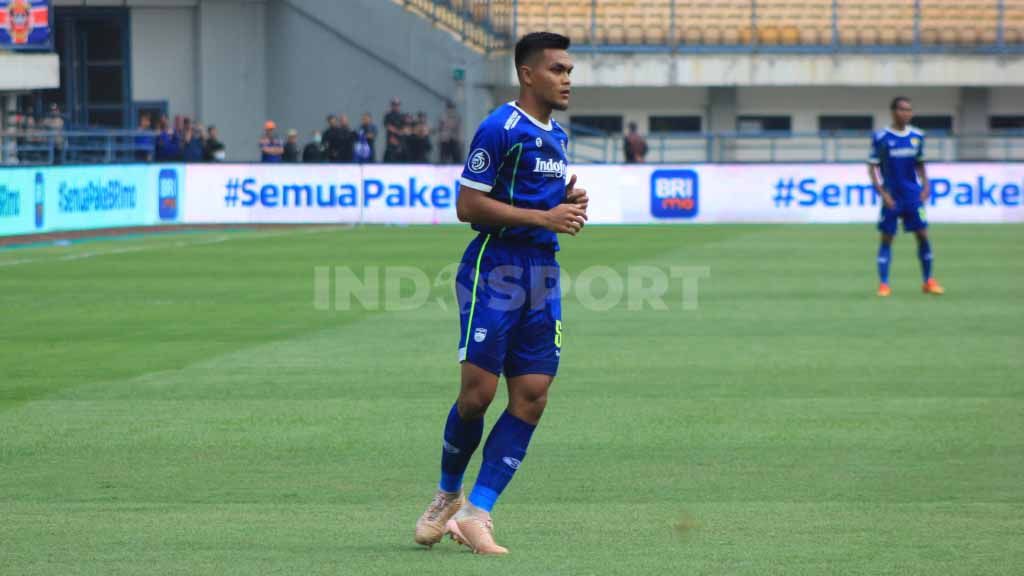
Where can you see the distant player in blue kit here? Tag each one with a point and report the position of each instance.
(898, 152)
(514, 192)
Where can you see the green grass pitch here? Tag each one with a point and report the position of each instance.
(176, 404)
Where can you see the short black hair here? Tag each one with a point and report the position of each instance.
(896, 102)
(536, 42)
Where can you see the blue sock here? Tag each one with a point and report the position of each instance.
(924, 254)
(884, 258)
(503, 453)
(461, 437)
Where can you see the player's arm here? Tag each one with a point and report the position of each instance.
(476, 207)
(922, 174)
(922, 177)
(876, 180)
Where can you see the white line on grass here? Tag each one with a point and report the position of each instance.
(179, 244)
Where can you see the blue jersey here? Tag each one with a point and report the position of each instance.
(519, 160)
(897, 154)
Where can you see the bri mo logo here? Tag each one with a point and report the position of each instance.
(167, 194)
(675, 194)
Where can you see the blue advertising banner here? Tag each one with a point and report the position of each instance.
(25, 25)
(51, 199)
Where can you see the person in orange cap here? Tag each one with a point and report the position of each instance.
(271, 147)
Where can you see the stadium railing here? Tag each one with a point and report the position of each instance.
(779, 26)
(585, 146)
(72, 147)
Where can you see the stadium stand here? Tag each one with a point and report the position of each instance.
(721, 24)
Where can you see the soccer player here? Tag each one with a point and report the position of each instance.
(898, 152)
(514, 193)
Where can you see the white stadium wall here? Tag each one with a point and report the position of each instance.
(52, 199)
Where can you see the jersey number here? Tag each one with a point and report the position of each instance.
(558, 333)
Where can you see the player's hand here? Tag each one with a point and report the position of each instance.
(925, 193)
(577, 196)
(888, 201)
(565, 219)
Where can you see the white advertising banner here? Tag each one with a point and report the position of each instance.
(635, 194)
(272, 193)
(822, 193)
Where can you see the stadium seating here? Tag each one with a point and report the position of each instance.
(745, 22)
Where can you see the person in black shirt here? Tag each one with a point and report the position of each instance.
(394, 126)
(313, 152)
(332, 140)
(291, 147)
(346, 141)
(418, 142)
(214, 150)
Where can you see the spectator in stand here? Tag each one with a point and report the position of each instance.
(54, 123)
(145, 140)
(332, 140)
(366, 138)
(346, 141)
(313, 152)
(291, 147)
(418, 143)
(449, 134)
(214, 150)
(271, 147)
(394, 126)
(168, 145)
(635, 146)
(191, 142)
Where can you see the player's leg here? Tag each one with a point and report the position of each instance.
(465, 425)
(531, 363)
(884, 261)
(924, 254)
(915, 221)
(887, 222)
(482, 344)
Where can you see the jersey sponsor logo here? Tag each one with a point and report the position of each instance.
(674, 193)
(903, 153)
(480, 334)
(550, 167)
(511, 462)
(479, 161)
(513, 119)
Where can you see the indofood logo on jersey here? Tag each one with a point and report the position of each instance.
(674, 193)
(551, 168)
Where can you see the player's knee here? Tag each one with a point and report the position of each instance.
(529, 405)
(475, 398)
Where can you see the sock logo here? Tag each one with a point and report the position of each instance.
(449, 448)
(511, 462)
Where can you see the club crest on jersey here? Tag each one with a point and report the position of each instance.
(551, 168)
(479, 161)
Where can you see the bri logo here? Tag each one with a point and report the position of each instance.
(550, 167)
(167, 194)
(674, 194)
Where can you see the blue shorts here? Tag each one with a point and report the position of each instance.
(913, 219)
(510, 307)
